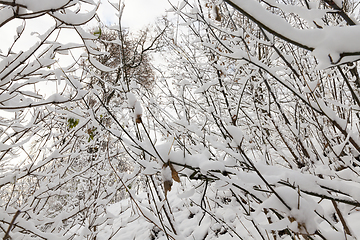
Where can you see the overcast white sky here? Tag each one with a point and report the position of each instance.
(137, 13)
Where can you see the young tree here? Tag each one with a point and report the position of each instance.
(255, 115)
(73, 140)
(259, 115)
(39, 167)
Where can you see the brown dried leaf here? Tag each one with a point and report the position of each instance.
(167, 186)
(174, 173)
(138, 119)
(218, 15)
